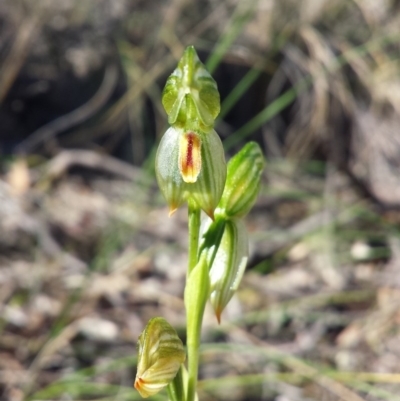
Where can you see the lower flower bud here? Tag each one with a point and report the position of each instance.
(160, 354)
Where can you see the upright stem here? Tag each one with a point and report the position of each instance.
(196, 314)
(194, 229)
(193, 366)
(193, 336)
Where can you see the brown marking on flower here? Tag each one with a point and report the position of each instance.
(139, 383)
(190, 156)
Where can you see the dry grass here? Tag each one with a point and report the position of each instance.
(85, 239)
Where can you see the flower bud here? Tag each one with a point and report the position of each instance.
(160, 354)
(191, 78)
(229, 263)
(190, 165)
(243, 181)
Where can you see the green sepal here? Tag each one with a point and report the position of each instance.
(191, 78)
(168, 175)
(244, 172)
(206, 192)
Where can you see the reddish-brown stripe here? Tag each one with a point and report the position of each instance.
(189, 153)
(190, 156)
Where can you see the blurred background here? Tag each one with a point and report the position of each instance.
(87, 251)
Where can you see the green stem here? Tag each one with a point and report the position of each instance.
(175, 389)
(194, 230)
(193, 336)
(193, 367)
(195, 318)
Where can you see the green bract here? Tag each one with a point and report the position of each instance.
(189, 84)
(179, 153)
(196, 294)
(242, 181)
(160, 354)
